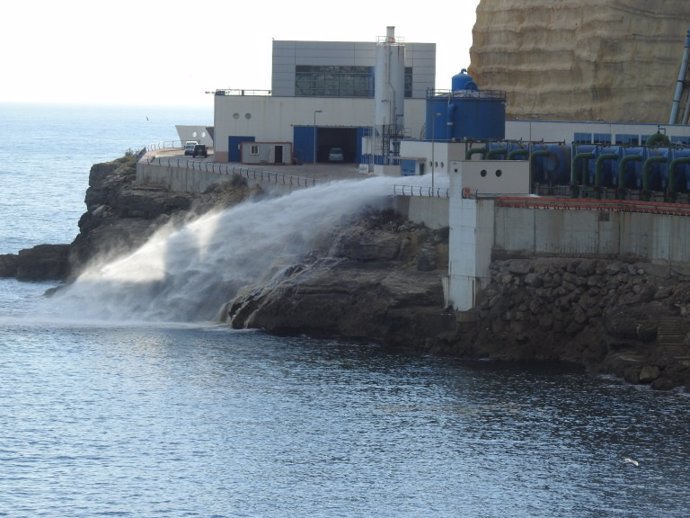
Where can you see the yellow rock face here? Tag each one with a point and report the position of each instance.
(612, 60)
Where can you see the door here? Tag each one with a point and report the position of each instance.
(279, 154)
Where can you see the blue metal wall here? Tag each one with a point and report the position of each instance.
(234, 151)
(479, 118)
(303, 138)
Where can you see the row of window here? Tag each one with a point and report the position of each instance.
(621, 139)
(340, 81)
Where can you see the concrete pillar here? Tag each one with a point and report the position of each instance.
(470, 239)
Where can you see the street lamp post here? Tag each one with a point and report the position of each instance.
(315, 112)
(433, 140)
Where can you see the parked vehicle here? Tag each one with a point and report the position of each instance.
(200, 150)
(189, 147)
(336, 155)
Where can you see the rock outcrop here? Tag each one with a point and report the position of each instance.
(612, 60)
(372, 283)
(40, 263)
(120, 216)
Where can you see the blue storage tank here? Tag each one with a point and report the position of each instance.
(437, 108)
(463, 81)
(477, 115)
(465, 112)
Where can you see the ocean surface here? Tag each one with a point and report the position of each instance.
(108, 415)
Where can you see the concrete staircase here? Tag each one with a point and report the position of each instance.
(671, 337)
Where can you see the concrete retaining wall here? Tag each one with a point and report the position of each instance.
(433, 212)
(197, 177)
(655, 238)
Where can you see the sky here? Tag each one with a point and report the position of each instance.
(155, 52)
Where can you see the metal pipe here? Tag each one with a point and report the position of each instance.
(646, 170)
(573, 172)
(535, 154)
(496, 153)
(599, 165)
(518, 152)
(686, 112)
(680, 84)
(672, 173)
(621, 169)
(470, 152)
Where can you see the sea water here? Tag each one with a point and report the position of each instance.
(108, 415)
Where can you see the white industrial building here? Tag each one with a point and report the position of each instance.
(331, 94)
(377, 103)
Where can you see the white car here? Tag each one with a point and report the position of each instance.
(189, 147)
(336, 155)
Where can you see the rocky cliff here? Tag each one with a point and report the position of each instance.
(613, 60)
(120, 216)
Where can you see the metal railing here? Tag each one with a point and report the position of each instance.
(240, 92)
(167, 144)
(420, 191)
(591, 204)
(258, 175)
(466, 94)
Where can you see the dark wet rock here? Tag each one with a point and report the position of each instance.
(631, 323)
(43, 263)
(356, 289)
(8, 265)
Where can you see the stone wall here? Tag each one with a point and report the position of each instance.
(630, 319)
(613, 60)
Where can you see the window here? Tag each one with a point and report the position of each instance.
(583, 138)
(339, 81)
(681, 140)
(602, 138)
(254, 149)
(622, 139)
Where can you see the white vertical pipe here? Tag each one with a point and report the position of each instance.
(680, 84)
